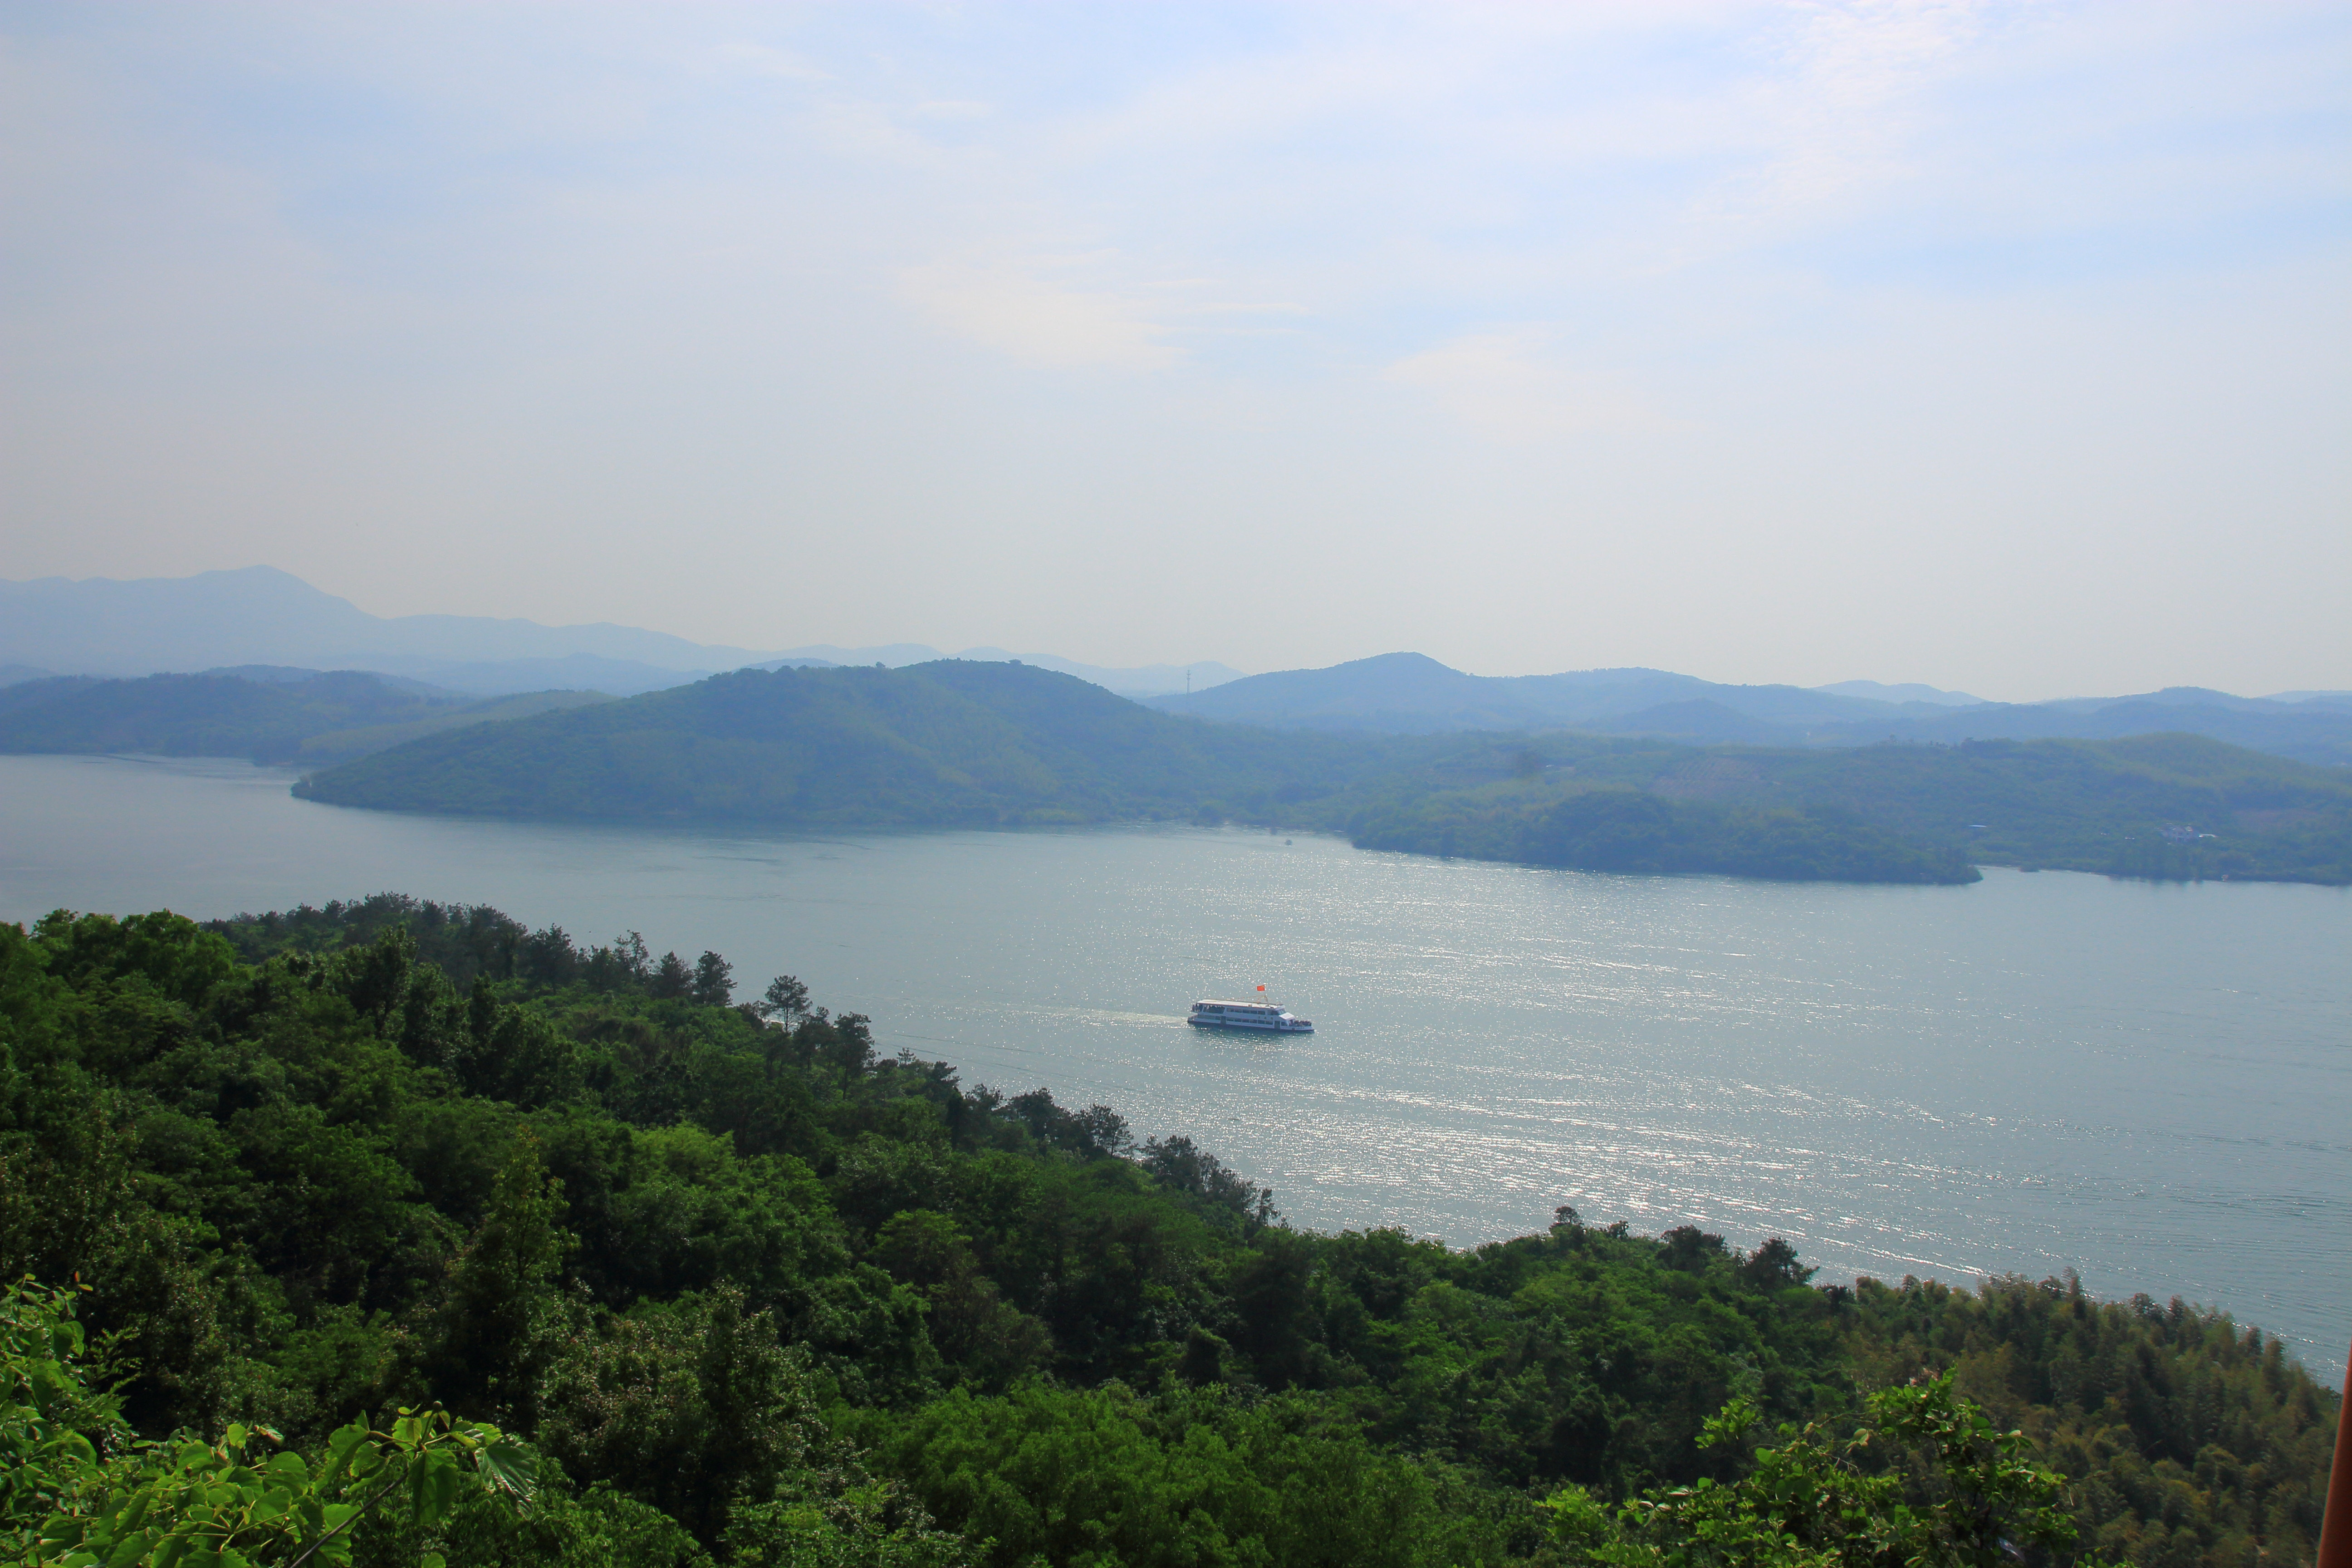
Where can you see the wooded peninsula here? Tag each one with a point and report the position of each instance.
(393, 1233)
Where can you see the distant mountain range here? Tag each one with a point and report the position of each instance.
(257, 619)
(261, 616)
(1409, 693)
(258, 616)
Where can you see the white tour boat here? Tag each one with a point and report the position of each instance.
(1247, 1015)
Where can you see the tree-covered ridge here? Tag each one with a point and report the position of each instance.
(2173, 806)
(752, 1294)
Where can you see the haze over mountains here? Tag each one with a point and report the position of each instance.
(259, 615)
(253, 622)
(1908, 691)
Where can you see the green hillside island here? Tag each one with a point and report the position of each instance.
(660, 1279)
(950, 744)
(289, 716)
(978, 744)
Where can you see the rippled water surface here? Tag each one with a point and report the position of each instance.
(2151, 1084)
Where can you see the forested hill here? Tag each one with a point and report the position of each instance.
(748, 1294)
(949, 743)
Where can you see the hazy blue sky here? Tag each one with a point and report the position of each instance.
(2000, 347)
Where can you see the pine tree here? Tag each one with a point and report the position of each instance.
(671, 978)
(503, 1313)
(714, 980)
(786, 997)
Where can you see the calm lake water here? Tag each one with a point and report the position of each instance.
(2150, 1084)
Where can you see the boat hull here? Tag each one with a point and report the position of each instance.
(1273, 1026)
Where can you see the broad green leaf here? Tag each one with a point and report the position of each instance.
(135, 1513)
(513, 1466)
(346, 1441)
(433, 1488)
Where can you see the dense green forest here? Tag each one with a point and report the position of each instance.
(305, 717)
(708, 1281)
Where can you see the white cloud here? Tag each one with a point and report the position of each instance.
(1008, 308)
(1508, 385)
(765, 60)
(1834, 116)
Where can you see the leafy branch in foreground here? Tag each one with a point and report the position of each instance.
(82, 1491)
(1809, 1503)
